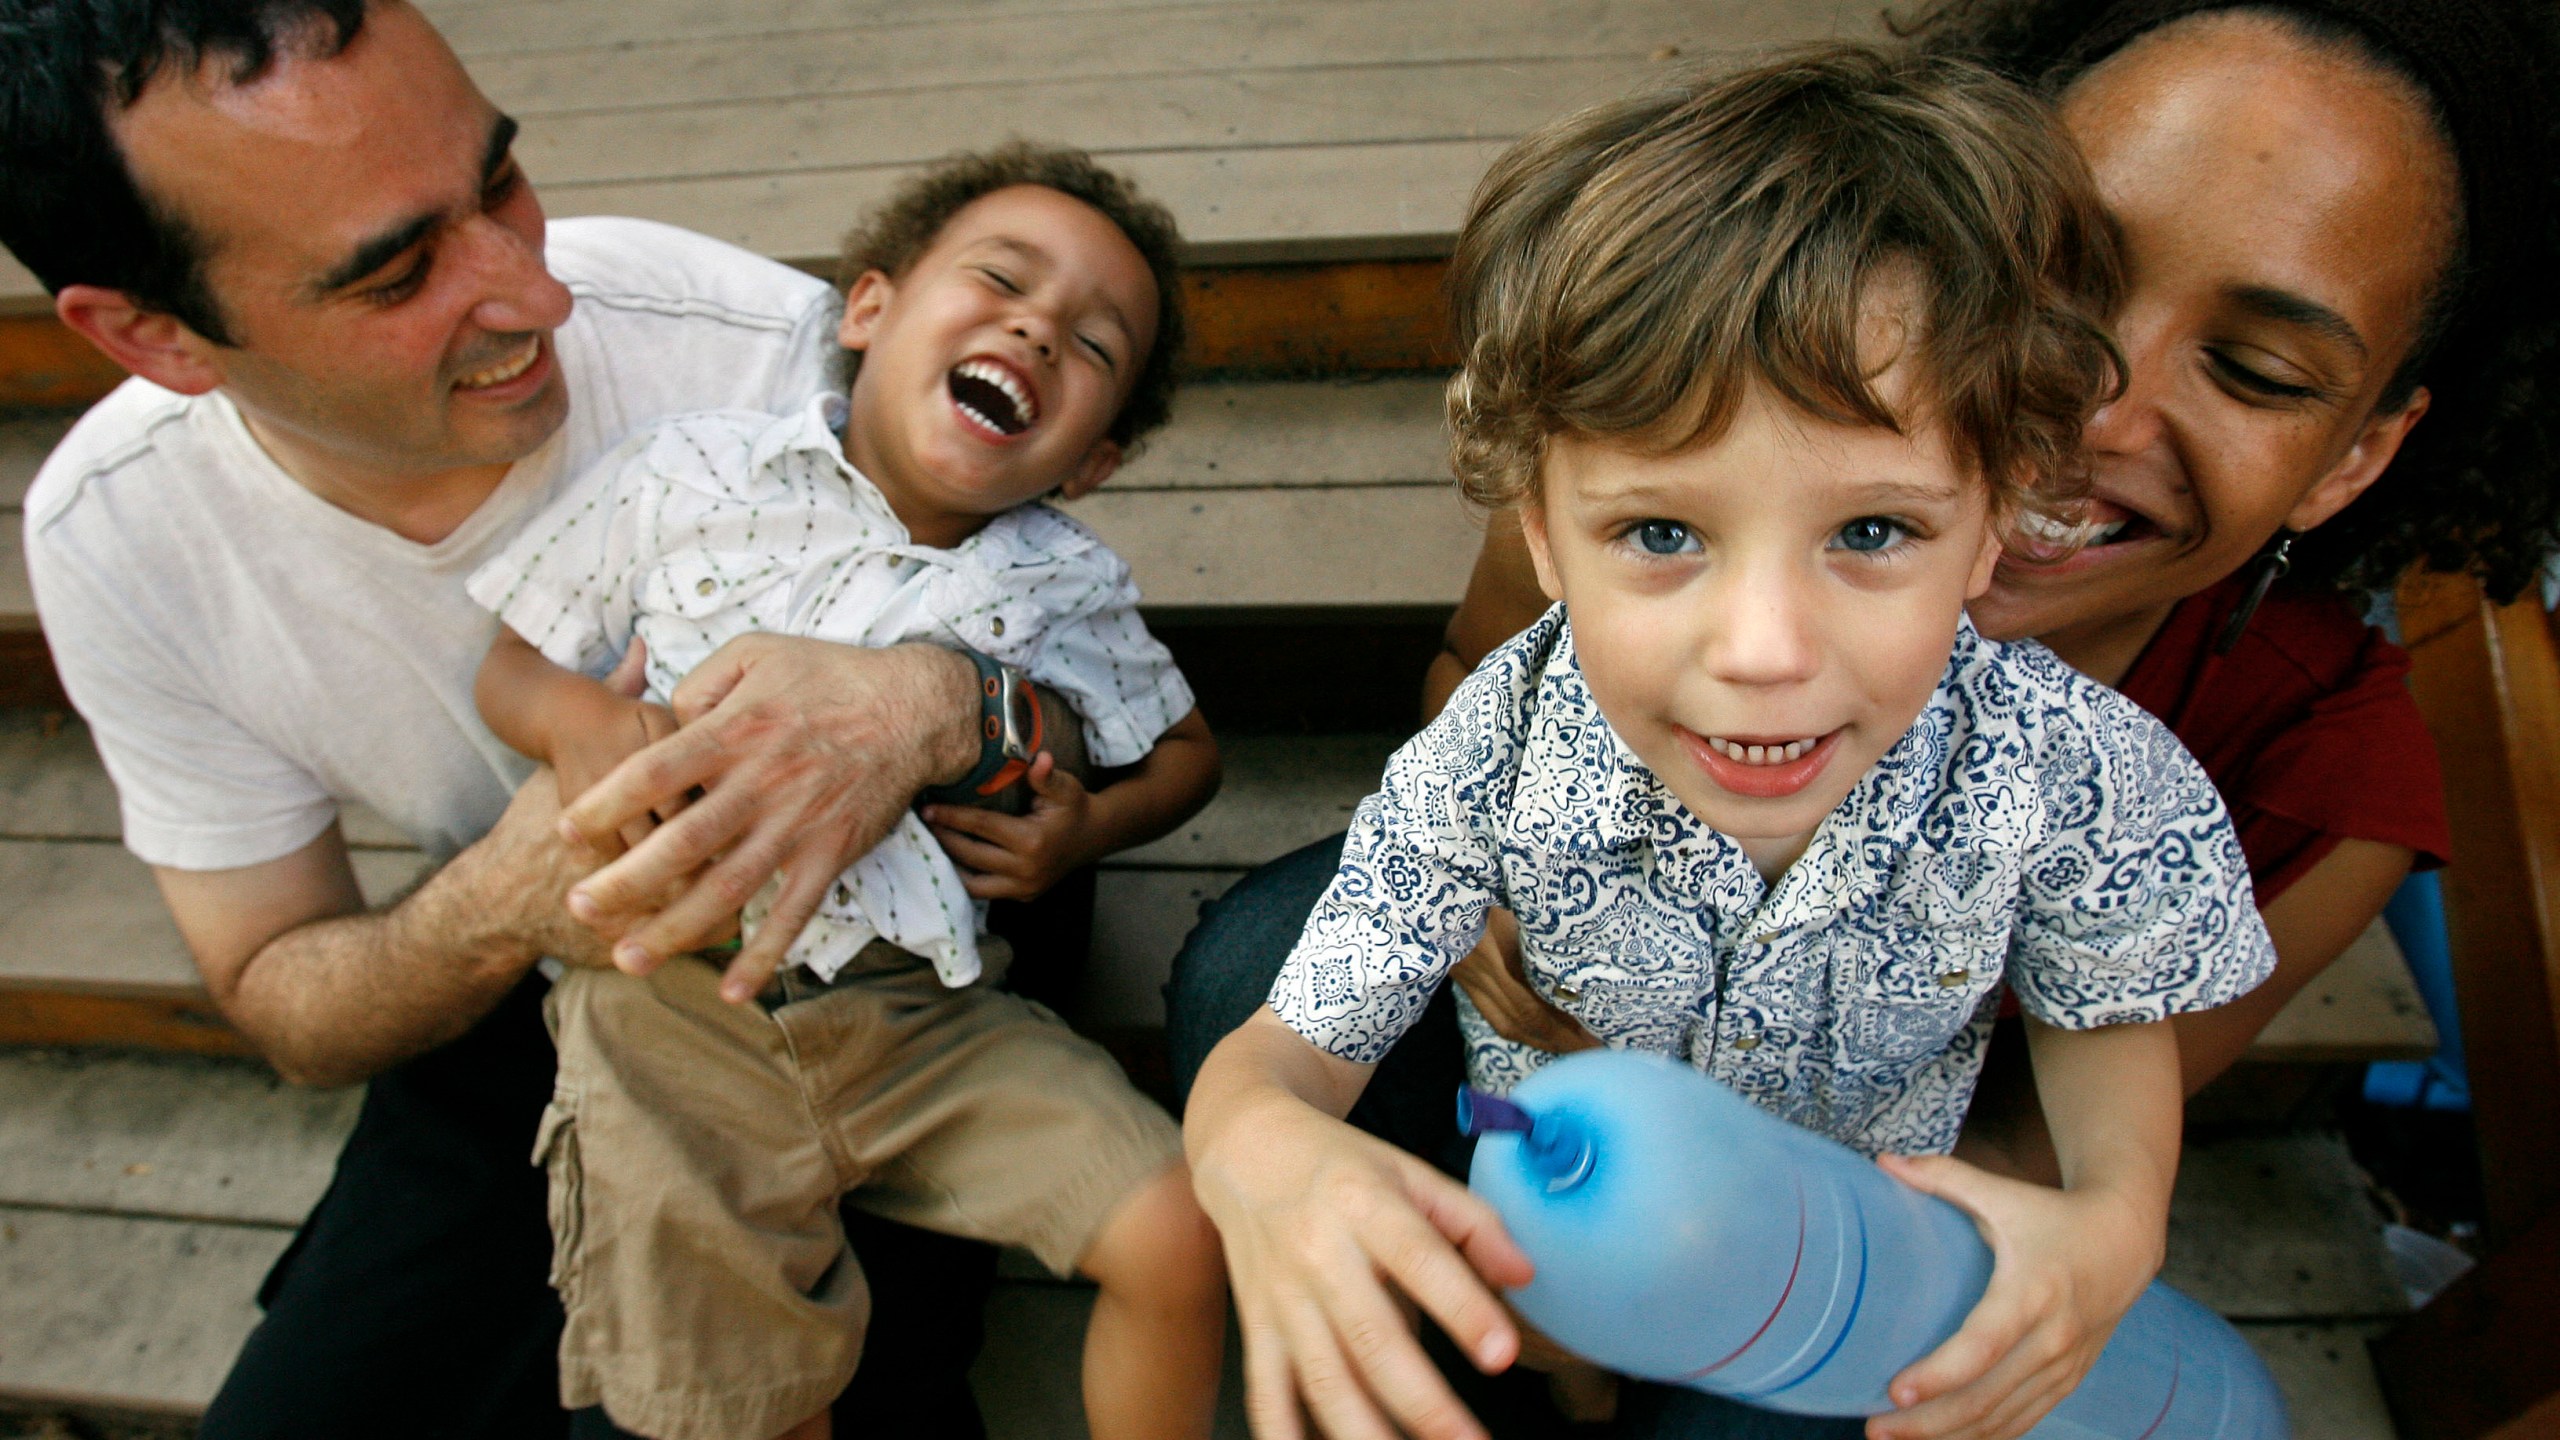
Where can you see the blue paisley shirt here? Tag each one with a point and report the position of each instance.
(2033, 828)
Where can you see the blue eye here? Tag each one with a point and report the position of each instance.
(1664, 537)
(1869, 534)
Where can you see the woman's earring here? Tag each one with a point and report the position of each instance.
(2273, 562)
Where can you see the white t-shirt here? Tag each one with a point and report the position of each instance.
(249, 655)
(714, 526)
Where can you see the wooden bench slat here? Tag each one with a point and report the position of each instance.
(2363, 1007)
(2274, 1227)
(929, 52)
(167, 1137)
(130, 1314)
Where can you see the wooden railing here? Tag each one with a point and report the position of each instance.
(2482, 1362)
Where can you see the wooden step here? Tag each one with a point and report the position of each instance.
(1262, 497)
(1278, 130)
(142, 1196)
(88, 954)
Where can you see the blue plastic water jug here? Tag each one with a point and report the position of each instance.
(1683, 1235)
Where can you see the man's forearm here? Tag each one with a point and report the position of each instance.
(336, 1001)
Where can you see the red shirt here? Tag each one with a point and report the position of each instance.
(2307, 728)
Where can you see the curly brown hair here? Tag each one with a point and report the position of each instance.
(1630, 270)
(893, 237)
(2476, 486)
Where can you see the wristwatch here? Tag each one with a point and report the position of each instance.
(1009, 733)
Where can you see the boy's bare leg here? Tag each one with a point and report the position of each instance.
(817, 1427)
(1159, 1326)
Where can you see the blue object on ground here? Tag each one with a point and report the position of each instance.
(1683, 1235)
(2441, 1081)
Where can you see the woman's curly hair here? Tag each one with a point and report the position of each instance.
(1629, 271)
(2476, 486)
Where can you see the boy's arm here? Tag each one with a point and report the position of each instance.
(1068, 826)
(580, 727)
(2066, 1264)
(1312, 1214)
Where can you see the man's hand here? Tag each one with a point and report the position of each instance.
(1492, 977)
(2066, 1265)
(804, 755)
(1018, 857)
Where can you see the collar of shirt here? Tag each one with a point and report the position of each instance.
(1026, 534)
(1911, 801)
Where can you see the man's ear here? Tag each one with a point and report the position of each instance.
(1533, 529)
(863, 305)
(156, 346)
(2363, 464)
(1096, 467)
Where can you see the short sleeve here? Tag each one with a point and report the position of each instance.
(1420, 867)
(1098, 656)
(198, 790)
(2136, 905)
(569, 582)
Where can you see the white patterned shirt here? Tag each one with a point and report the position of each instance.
(712, 526)
(2033, 827)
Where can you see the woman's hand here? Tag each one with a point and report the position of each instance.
(2066, 1265)
(1492, 977)
(1319, 1221)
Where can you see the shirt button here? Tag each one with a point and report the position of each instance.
(704, 586)
(1766, 938)
(996, 626)
(1567, 992)
(844, 897)
(1746, 1043)
(1954, 978)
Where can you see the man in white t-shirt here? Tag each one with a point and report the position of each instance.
(301, 225)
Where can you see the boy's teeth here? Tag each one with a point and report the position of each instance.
(1025, 408)
(1786, 754)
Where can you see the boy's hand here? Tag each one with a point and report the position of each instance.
(1018, 857)
(2066, 1265)
(592, 743)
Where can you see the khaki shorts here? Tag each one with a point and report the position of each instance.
(697, 1150)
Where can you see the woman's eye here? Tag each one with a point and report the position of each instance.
(1664, 537)
(2257, 382)
(1870, 533)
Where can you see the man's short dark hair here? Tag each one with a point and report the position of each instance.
(69, 208)
(895, 236)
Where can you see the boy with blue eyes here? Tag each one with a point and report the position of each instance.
(1012, 324)
(1768, 366)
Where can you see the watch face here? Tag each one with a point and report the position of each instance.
(1021, 717)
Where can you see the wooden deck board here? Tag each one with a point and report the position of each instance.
(906, 55)
(1300, 434)
(2279, 1227)
(23, 445)
(2363, 1007)
(86, 915)
(131, 1313)
(2327, 1379)
(164, 1136)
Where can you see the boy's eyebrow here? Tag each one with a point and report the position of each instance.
(1891, 488)
(1037, 256)
(386, 245)
(2302, 310)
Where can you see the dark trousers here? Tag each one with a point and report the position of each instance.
(1224, 973)
(413, 1302)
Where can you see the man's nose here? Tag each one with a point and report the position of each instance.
(518, 293)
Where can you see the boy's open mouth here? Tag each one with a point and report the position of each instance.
(993, 396)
